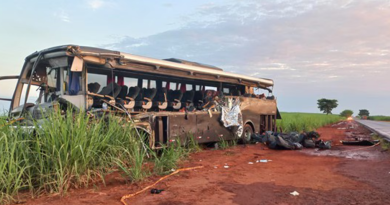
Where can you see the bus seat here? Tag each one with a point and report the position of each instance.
(122, 94)
(131, 97)
(174, 98)
(109, 92)
(161, 100)
(93, 87)
(188, 98)
(149, 94)
(138, 99)
(198, 99)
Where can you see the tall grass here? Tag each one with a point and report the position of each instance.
(65, 152)
(77, 151)
(299, 122)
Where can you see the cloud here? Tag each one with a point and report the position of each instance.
(167, 5)
(63, 16)
(328, 46)
(97, 4)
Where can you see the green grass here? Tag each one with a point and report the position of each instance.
(67, 152)
(385, 145)
(379, 118)
(299, 122)
(168, 157)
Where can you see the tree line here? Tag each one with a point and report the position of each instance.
(327, 105)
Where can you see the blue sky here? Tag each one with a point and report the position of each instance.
(335, 49)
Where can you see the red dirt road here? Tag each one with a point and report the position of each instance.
(342, 175)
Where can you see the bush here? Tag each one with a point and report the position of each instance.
(346, 113)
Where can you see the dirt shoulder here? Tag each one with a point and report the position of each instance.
(342, 175)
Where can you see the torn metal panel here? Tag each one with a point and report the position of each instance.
(232, 116)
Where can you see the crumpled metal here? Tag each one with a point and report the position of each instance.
(232, 116)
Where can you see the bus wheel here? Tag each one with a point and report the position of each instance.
(247, 134)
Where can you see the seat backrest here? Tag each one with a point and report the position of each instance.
(140, 95)
(150, 93)
(198, 96)
(122, 94)
(93, 87)
(117, 90)
(134, 92)
(176, 94)
(111, 89)
(161, 95)
(188, 96)
(107, 90)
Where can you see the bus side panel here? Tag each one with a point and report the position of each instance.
(181, 127)
(253, 108)
(211, 129)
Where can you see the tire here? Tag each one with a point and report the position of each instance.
(247, 132)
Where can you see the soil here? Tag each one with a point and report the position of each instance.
(341, 175)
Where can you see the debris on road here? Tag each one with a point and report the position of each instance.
(263, 160)
(292, 141)
(360, 142)
(156, 191)
(294, 193)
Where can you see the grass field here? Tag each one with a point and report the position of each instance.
(305, 121)
(379, 118)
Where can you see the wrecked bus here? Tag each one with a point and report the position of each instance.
(167, 98)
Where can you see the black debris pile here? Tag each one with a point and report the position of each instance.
(292, 140)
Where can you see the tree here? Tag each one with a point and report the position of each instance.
(327, 105)
(363, 112)
(346, 113)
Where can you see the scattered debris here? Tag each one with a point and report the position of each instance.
(250, 162)
(294, 193)
(226, 166)
(156, 191)
(263, 160)
(162, 178)
(292, 140)
(360, 142)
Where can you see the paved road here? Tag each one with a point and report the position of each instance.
(382, 128)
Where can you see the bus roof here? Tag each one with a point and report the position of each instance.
(168, 66)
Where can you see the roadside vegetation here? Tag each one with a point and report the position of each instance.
(301, 122)
(77, 151)
(385, 145)
(379, 118)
